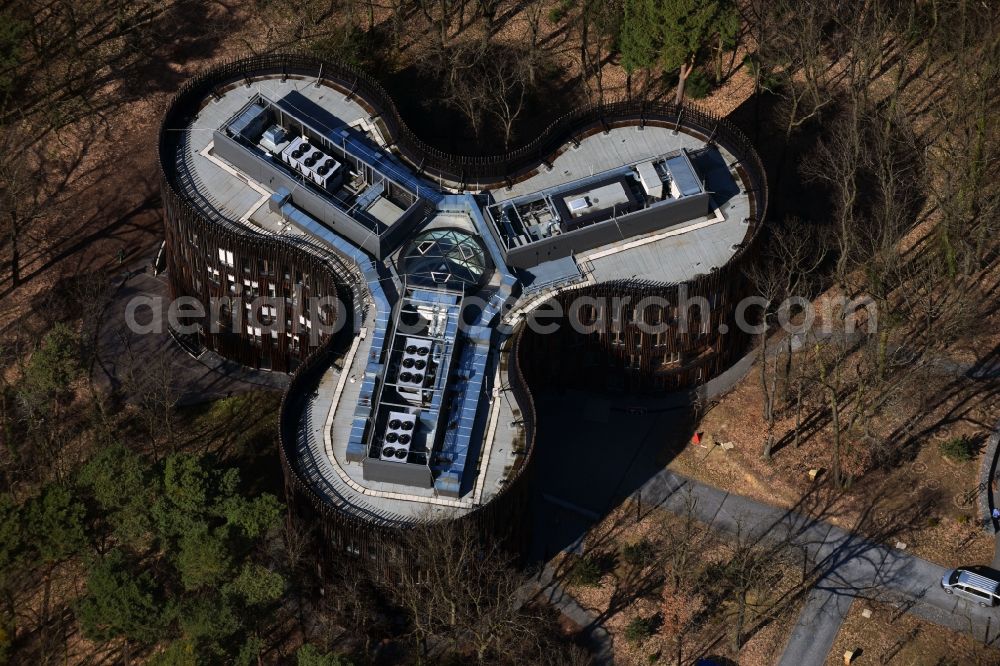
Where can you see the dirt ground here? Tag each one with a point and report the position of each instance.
(947, 532)
(624, 594)
(891, 637)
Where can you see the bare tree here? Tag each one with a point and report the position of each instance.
(150, 382)
(21, 197)
(460, 591)
(681, 597)
(507, 89)
(792, 61)
(747, 570)
(793, 255)
(599, 23)
(484, 80)
(533, 13)
(460, 67)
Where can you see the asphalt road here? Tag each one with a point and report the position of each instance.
(818, 624)
(851, 566)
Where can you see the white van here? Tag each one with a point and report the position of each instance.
(972, 586)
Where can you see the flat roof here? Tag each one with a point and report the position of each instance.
(480, 431)
(683, 175)
(602, 152)
(221, 191)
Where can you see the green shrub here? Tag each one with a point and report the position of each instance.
(639, 629)
(960, 449)
(639, 554)
(768, 80)
(697, 85)
(559, 12)
(347, 44)
(585, 572)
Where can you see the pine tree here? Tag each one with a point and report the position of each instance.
(639, 37)
(688, 28)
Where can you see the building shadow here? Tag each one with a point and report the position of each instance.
(595, 452)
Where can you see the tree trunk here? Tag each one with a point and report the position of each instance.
(787, 373)
(740, 612)
(15, 254)
(835, 423)
(683, 73)
(718, 62)
(767, 393)
(798, 411)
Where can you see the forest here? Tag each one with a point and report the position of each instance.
(141, 524)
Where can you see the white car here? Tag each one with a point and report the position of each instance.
(971, 586)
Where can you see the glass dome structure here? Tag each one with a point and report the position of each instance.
(448, 258)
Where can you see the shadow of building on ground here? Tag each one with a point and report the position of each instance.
(595, 451)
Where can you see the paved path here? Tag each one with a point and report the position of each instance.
(850, 565)
(601, 645)
(191, 379)
(829, 601)
(818, 625)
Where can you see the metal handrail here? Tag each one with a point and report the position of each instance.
(485, 169)
(426, 159)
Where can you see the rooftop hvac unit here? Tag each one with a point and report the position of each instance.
(578, 205)
(650, 179)
(291, 153)
(398, 434)
(274, 139)
(415, 353)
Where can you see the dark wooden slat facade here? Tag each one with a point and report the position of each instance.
(505, 517)
(261, 267)
(195, 233)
